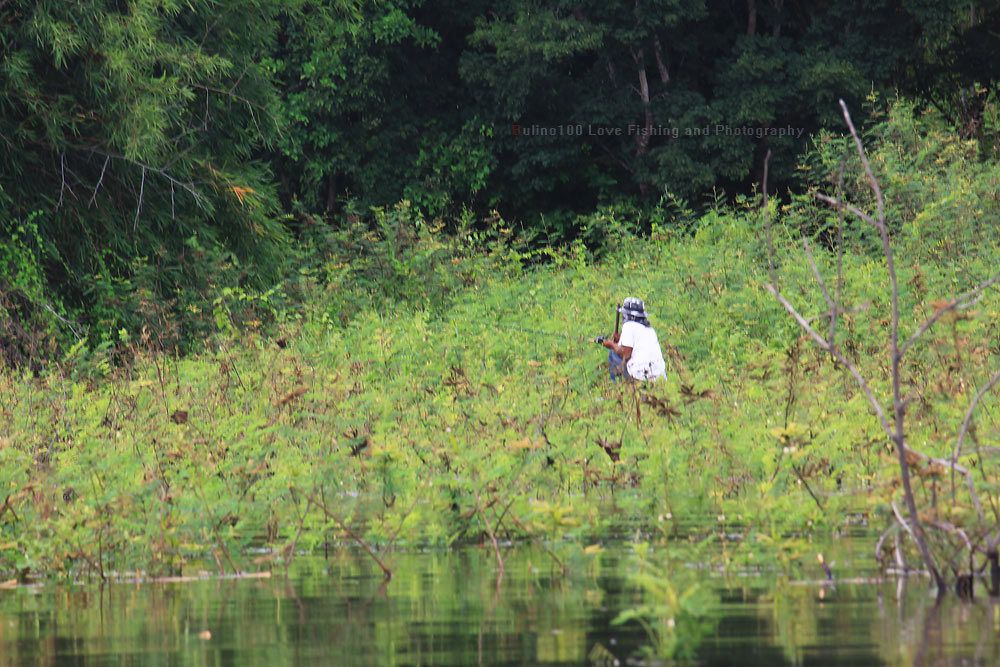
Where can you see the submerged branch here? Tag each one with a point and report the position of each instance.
(493, 538)
(350, 533)
(965, 428)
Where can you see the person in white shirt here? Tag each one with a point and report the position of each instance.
(635, 352)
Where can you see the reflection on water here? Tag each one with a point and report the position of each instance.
(443, 608)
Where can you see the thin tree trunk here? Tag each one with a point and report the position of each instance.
(331, 193)
(660, 65)
(642, 138)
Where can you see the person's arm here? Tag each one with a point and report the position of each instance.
(623, 351)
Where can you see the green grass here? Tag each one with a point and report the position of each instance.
(409, 426)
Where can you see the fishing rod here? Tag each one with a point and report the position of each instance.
(580, 339)
(538, 332)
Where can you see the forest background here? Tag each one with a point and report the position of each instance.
(142, 137)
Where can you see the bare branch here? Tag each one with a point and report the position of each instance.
(844, 206)
(958, 302)
(840, 256)
(816, 273)
(64, 185)
(965, 426)
(950, 528)
(162, 171)
(878, 545)
(838, 355)
(895, 431)
(767, 223)
(946, 463)
(107, 159)
(138, 208)
(864, 160)
(62, 174)
(896, 357)
(902, 521)
(63, 320)
(489, 531)
(840, 311)
(350, 533)
(900, 560)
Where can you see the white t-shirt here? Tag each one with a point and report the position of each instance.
(646, 362)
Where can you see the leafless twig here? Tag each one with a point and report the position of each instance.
(138, 208)
(187, 187)
(767, 224)
(840, 257)
(902, 521)
(958, 302)
(838, 355)
(93, 198)
(350, 533)
(819, 278)
(965, 426)
(489, 531)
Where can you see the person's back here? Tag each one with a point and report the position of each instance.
(646, 361)
(636, 351)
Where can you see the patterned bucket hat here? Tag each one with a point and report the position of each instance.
(633, 308)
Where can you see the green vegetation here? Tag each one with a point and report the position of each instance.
(315, 412)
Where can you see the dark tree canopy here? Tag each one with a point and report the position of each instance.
(145, 141)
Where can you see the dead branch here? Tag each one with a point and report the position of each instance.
(946, 463)
(819, 278)
(489, 531)
(834, 314)
(838, 355)
(843, 206)
(767, 224)
(805, 483)
(965, 424)
(343, 527)
(840, 257)
(93, 198)
(951, 529)
(957, 303)
(138, 208)
(162, 171)
(894, 431)
(898, 407)
(902, 521)
(878, 545)
(531, 536)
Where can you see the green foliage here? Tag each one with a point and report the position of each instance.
(130, 128)
(27, 316)
(412, 423)
(676, 606)
(347, 103)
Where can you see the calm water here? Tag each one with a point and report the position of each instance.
(444, 608)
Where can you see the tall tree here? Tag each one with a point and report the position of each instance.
(128, 128)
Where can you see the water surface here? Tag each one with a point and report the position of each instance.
(445, 608)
